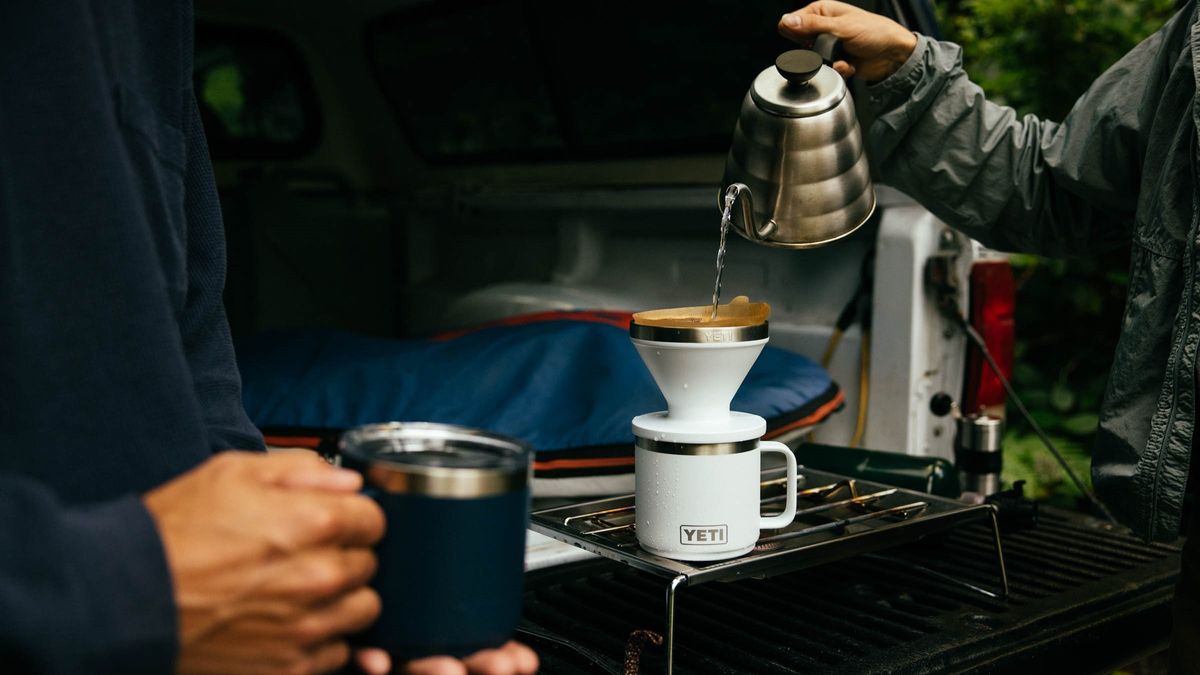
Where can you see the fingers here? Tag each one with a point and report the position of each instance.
(844, 69)
(827, 8)
(525, 658)
(833, 7)
(318, 502)
(373, 661)
(326, 658)
(304, 469)
(285, 639)
(316, 575)
(322, 519)
(435, 665)
(511, 659)
(806, 24)
(348, 614)
(306, 627)
(263, 657)
(349, 520)
(490, 662)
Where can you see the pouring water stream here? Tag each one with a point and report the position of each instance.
(731, 195)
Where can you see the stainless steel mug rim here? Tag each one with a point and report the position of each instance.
(397, 477)
(696, 449)
(698, 334)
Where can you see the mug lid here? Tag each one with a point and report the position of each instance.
(439, 460)
(798, 85)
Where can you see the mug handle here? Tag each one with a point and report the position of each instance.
(789, 509)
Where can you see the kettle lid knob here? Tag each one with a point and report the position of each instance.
(798, 66)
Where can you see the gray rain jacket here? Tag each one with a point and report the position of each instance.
(1121, 167)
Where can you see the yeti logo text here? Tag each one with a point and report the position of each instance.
(703, 535)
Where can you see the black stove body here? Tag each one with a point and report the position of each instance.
(1083, 598)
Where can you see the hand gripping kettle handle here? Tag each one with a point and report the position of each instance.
(789, 509)
(829, 47)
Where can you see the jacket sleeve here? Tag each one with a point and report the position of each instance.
(205, 330)
(82, 590)
(1019, 184)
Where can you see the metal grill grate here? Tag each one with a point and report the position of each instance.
(1080, 594)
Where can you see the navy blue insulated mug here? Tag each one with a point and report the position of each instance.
(451, 564)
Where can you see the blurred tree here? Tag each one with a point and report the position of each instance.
(1039, 56)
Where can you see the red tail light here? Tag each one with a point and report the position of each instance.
(993, 299)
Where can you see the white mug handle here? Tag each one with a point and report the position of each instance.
(789, 509)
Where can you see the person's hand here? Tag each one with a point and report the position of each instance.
(513, 658)
(876, 46)
(270, 557)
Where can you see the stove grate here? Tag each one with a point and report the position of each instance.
(1082, 597)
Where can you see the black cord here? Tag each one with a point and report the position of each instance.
(1037, 429)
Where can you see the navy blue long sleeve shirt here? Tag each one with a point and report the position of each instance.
(116, 368)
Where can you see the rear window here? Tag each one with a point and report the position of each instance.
(541, 79)
(254, 93)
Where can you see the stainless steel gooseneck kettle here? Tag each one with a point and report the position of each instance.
(797, 160)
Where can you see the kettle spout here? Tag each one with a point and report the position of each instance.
(754, 231)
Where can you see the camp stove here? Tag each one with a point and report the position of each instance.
(836, 518)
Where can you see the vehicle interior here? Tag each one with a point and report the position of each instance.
(407, 168)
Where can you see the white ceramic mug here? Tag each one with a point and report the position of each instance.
(700, 501)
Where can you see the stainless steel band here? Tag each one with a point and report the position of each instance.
(669, 448)
(981, 433)
(699, 335)
(443, 482)
(378, 452)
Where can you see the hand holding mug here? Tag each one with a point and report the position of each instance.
(270, 557)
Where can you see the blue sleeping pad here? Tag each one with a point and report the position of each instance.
(557, 384)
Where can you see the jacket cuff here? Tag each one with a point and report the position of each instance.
(899, 86)
(116, 552)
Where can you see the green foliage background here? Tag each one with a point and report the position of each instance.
(1039, 56)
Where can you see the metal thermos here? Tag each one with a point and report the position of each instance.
(797, 159)
(977, 452)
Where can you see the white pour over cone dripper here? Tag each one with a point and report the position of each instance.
(699, 370)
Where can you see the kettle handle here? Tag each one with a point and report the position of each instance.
(829, 47)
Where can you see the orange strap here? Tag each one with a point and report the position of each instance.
(592, 463)
(817, 415)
